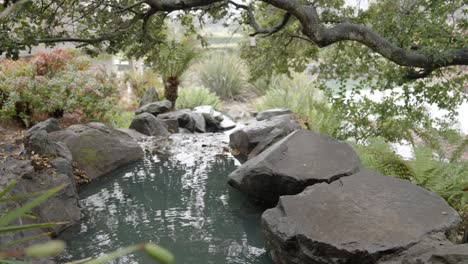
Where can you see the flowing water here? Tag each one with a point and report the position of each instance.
(180, 201)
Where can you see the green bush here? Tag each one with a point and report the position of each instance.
(192, 97)
(300, 95)
(119, 118)
(53, 83)
(224, 74)
(140, 82)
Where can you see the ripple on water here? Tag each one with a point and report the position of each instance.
(180, 201)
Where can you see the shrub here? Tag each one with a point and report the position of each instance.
(140, 82)
(300, 95)
(192, 97)
(224, 74)
(52, 84)
(119, 118)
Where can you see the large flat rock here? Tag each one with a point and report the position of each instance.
(299, 160)
(99, 149)
(357, 219)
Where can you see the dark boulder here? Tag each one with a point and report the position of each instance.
(199, 122)
(97, 148)
(149, 125)
(62, 207)
(183, 117)
(358, 219)
(215, 121)
(49, 125)
(299, 160)
(268, 114)
(155, 108)
(252, 139)
(172, 125)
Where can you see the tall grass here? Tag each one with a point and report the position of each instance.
(192, 97)
(300, 95)
(224, 74)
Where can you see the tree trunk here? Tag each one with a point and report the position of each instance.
(171, 88)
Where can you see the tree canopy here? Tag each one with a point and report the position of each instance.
(419, 46)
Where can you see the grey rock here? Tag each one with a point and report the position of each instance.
(437, 251)
(149, 125)
(227, 124)
(155, 108)
(299, 160)
(183, 117)
(49, 125)
(358, 219)
(62, 207)
(456, 254)
(39, 142)
(150, 96)
(133, 134)
(212, 125)
(98, 149)
(262, 134)
(184, 131)
(199, 122)
(172, 125)
(268, 114)
(206, 109)
(215, 121)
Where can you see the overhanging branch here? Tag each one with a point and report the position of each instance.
(256, 26)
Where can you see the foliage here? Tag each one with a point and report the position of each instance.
(349, 72)
(140, 82)
(54, 83)
(119, 118)
(224, 74)
(196, 96)
(301, 96)
(449, 179)
(172, 58)
(54, 247)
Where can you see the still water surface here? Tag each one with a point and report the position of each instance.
(180, 201)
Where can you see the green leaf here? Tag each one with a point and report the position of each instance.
(159, 254)
(20, 197)
(115, 255)
(24, 240)
(13, 262)
(11, 216)
(29, 227)
(8, 188)
(48, 249)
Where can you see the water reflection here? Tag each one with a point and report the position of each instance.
(180, 201)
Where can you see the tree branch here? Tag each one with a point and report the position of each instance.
(258, 29)
(345, 31)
